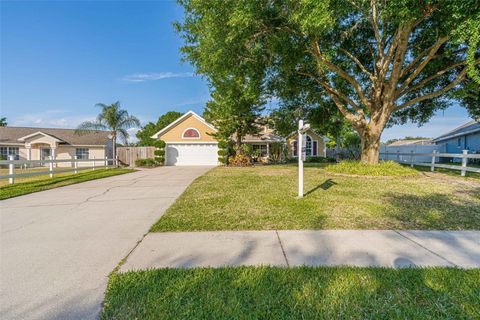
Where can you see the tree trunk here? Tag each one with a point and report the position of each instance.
(238, 151)
(114, 149)
(337, 147)
(370, 144)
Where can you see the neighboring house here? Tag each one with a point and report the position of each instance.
(316, 145)
(465, 137)
(42, 143)
(262, 142)
(189, 141)
(411, 142)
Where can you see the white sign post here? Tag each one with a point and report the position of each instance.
(302, 152)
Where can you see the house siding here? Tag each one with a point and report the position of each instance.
(321, 151)
(469, 142)
(175, 134)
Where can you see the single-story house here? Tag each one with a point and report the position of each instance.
(189, 141)
(26, 143)
(465, 137)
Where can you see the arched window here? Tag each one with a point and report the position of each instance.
(191, 133)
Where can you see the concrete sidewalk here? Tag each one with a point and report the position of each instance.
(380, 248)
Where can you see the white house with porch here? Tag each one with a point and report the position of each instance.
(25, 143)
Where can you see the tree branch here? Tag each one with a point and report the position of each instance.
(434, 94)
(434, 76)
(359, 64)
(341, 73)
(430, 53)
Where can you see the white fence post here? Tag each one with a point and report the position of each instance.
(50, 165)
(106, 163)
(75, 164)
(116, 161)
(411, 159)
(432, 167)
(11, 169)
(464, 163)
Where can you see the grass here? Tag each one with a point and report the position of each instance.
(384, 168)
(62, 179)
(264, 198)
(294, 293)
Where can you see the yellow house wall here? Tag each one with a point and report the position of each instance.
(175, 133)
(314, 136)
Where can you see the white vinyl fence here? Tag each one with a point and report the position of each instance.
(86, 164)
(418, 159)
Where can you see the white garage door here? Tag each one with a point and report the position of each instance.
(192, 154)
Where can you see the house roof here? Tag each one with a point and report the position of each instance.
(261, 137)
(12, 135)
(467, 128)
(180, 119)
(411, 142)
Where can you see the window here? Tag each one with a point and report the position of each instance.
(308, 150)
(191, 134)
(82, 153)
(295, 148)
(262, 149)
(9, 151)
(459, 142)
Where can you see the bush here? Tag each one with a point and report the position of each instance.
(240, 160)
(222, 152)
(383, 168)
(159, 152)
(160, 144)
(147, 163)
(319, 160)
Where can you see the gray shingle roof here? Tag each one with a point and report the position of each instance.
(9, 135)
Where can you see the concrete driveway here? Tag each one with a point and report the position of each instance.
(57, 247)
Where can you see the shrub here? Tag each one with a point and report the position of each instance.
(222, 152)
(383, 168)
(319, 160)
(240, 160)
(148, 163)
(159, 144)
(160, 152)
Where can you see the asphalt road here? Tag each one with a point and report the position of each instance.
(57, 247)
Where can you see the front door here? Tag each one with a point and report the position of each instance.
(45, 154)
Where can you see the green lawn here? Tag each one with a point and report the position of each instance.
(263, 198)
(294, 293)
(62, 179)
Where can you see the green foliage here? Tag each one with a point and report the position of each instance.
(148, 163)
(112, 118)
(384, 168)
(159, 144)
(373, 63)
(144, 135)
(3, 122)
(223, 152)
(223, 144)
(159, 152)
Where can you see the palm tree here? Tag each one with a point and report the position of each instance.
(3, 122)
(112, 118)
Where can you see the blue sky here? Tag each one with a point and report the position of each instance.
(59, 58)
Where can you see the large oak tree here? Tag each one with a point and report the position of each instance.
(377, 61)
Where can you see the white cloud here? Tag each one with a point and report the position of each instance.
(50, 119)
(152, 76)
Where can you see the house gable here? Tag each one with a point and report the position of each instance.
(321, 143)
(189, 128)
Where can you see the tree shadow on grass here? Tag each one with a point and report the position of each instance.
(433, 211)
